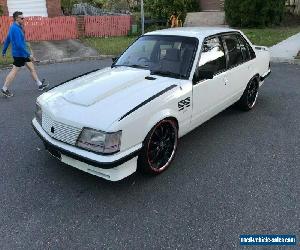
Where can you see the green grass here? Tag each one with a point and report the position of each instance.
(270, 36)
(8, 60)
(110, 45)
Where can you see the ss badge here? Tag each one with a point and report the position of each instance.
(184, 104)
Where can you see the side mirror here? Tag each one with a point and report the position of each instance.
(114, 59)
(202, 75)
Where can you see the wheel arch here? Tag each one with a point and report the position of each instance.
(156, 119)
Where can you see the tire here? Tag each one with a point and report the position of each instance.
(159, 148)
(249, 97)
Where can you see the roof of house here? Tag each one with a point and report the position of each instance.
(199, 32)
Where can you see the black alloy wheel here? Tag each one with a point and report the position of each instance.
(159, 147)
(249, 97)
(252, 93)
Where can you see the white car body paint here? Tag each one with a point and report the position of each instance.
(101, 100)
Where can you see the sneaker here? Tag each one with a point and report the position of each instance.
(7, 93)
(43, 86)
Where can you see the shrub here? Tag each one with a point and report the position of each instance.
(254, 13)
(1, 10)
(163, 9)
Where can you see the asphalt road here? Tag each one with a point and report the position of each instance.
(239, 173)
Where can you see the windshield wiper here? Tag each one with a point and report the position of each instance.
(166, 73)
(132, 66)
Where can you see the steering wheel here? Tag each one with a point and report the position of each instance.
(143, 60)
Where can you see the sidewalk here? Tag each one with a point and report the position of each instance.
(287, 50)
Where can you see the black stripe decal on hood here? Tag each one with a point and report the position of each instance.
(74, 78)
(148, 100)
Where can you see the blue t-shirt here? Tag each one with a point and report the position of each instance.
(17, 39)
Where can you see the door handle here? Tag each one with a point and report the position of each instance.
(225, 80)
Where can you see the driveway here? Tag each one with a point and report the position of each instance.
(59, 50)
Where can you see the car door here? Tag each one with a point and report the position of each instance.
(209, 94)
(239, 66)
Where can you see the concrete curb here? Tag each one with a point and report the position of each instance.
(64, 60)
(285, 60)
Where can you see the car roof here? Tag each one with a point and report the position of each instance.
(198, 32)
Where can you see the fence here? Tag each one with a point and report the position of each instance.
(5, 22)
(62, 28)
(43, 28)
(102, 26)
(46, 29)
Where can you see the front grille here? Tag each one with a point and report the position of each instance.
(60, 131)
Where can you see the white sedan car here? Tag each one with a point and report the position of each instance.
(113, 121)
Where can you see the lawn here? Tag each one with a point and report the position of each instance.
(270, 36)
(109, 45)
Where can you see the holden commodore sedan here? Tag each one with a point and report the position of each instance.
(128, 117)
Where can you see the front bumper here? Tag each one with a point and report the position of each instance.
(111, 167)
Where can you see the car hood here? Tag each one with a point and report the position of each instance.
(108, 93)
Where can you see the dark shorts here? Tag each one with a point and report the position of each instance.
(20, 61)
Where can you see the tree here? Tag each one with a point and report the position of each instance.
(254, 13)
(163, 9)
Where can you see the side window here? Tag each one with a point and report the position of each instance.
(212, 57)
(235, 56)
(247, 50)
(244, 49)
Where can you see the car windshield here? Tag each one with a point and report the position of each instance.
(170, 56)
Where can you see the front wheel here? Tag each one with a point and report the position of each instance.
(159, 147)
(249, 97)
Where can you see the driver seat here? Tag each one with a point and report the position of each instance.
(171, 61)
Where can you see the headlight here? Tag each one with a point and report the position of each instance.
(100, 142)
(38, 113)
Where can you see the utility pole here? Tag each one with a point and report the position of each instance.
(142, 17)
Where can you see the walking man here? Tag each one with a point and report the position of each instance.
(22, 57)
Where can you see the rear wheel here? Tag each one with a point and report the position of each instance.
(249, 97)
(159, 147)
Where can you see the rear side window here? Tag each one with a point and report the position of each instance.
(213, 57)
(246, 49)
(235, 56)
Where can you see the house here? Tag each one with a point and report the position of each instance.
(44, 8)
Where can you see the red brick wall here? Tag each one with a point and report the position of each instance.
(210, 5)
(53, 7)
(3, 4)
